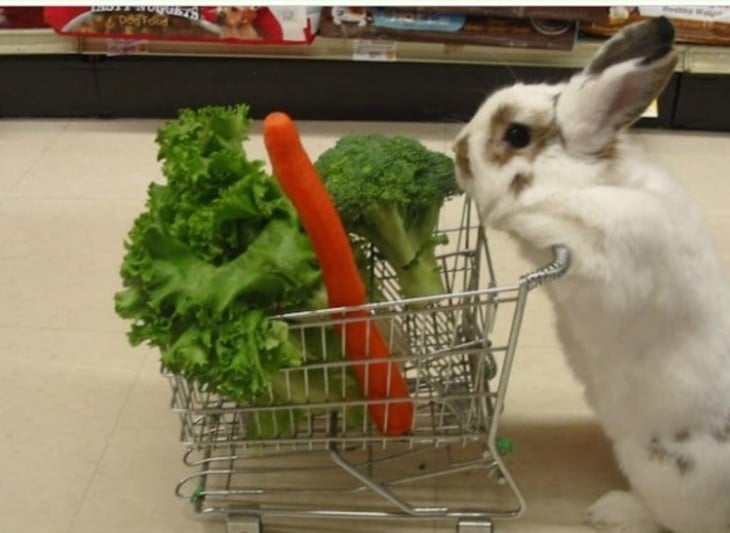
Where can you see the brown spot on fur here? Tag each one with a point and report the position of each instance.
(543, 129)
(660, 453)
(682, 436)
(498, 151)
(520, 182)
(657, 451)
(502, 118)
(461, 150)
(684, 464)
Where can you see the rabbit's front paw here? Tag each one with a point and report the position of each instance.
(619, 511)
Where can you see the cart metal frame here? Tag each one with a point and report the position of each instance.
(282, 458)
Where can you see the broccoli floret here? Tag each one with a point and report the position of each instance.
(390, 190)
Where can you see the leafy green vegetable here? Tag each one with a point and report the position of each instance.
(217, 251)
(390, 191)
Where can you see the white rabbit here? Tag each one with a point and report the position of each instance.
(644, 310)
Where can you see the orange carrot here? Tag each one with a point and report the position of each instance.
(379, 379)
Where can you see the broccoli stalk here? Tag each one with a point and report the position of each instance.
(390, 190)
(410, 250)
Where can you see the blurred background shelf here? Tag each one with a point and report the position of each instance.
(45, 74)
(35, 41)
(693, 59)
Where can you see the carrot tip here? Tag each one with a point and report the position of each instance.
(276, 118)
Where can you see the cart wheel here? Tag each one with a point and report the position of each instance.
(243, 523)
(475, 526)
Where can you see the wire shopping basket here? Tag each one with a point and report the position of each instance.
(310, 453)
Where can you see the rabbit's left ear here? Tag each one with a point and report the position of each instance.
(625, 76)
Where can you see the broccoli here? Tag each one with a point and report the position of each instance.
(390, 190)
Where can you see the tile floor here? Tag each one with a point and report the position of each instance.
(87, 440)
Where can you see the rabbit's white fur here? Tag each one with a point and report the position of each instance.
(644, 310)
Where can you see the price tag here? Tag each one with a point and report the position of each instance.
(117, 47)
(720, 14)
(374, 50)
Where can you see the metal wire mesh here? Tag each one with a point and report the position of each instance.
(315, 421)
(440, 343)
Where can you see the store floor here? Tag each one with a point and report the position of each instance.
(87, 440)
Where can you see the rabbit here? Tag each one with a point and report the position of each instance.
(643, 313)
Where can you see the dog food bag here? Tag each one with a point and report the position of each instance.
(236, 24)
(449, 27)
(703, 25)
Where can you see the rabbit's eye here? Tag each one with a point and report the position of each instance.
(517, 135)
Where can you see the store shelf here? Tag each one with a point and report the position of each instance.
(693, 59)
(31, 42)
(421, 82)
(707, 60)
(333, 49)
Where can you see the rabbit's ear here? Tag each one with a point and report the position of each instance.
(624, 77)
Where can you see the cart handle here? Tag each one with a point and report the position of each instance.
(557, 268)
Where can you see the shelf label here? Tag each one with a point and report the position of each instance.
(374, 50)
(118, 47)
(702, 13)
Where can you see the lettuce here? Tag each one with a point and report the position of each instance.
(217, 251)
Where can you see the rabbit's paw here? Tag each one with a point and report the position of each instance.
(619, 511)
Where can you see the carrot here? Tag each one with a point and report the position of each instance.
(379, 379)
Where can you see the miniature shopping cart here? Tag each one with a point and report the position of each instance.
(324, 459)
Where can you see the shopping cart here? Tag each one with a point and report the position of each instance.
(324, 459)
